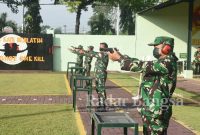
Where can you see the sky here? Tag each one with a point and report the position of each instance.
(52, 15)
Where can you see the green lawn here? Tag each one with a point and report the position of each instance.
(127, 81)
(32, 84)
(124, 80)
(188, 94)
(37, 120)
(187, 114)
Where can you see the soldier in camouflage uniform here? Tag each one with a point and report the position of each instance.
(197, 61)
(157, 86)
(88, 60)
(100, 73)
(79, 59)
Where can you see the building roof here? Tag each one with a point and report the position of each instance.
(163, 5)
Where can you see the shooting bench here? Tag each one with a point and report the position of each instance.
(73, 73)
(78, 86)
(69, 64)
(112, 119)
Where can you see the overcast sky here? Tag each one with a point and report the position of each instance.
(52, 15)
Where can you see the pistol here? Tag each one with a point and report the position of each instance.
(75, 47)
(111, 50)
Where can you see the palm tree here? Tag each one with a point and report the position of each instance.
(4, 22)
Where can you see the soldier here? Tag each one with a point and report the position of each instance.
(88, 60)
(157, 86)
(79, 59)
(197, 61)
(100, 73)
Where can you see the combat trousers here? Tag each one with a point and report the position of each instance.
(101, 90)
(87, 73)
(147, 132)
(87, 69)
(197, 68)
(155, 112)
(79, 71)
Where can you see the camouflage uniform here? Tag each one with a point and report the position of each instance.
(87, 62)
(197, 62)
(157, 87)
(100, 74)
(79, 59)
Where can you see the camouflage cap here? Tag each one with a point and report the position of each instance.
(80, 47)
(91, 47)
(163, 40)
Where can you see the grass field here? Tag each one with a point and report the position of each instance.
(37, 120)
(189, 115)
(131, 84)
(13, 84)
(125, 81)
(188, 94)
(60, 119)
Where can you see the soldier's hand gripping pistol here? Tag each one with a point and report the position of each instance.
(111, 50)
(75, 47)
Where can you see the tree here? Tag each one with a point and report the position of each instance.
(76, 6)
(32, 16)
(100, 25)
(101, 22)
(4, 22)
(128, 12)
(58, 30)
(127, 23)
(44, 28)
(13, 4)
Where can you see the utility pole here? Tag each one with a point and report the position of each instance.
(118, 15)
(22, 1)
(23, 19)
(189, 43)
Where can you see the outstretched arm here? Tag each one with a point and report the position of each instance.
(126, 63)
(85, 53)
(73, 50)
(135, 65)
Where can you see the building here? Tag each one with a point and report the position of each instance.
(179, 19)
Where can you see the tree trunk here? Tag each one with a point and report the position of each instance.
(78, 16)
(81, 7)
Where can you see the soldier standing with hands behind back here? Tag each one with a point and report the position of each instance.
(157, 86)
